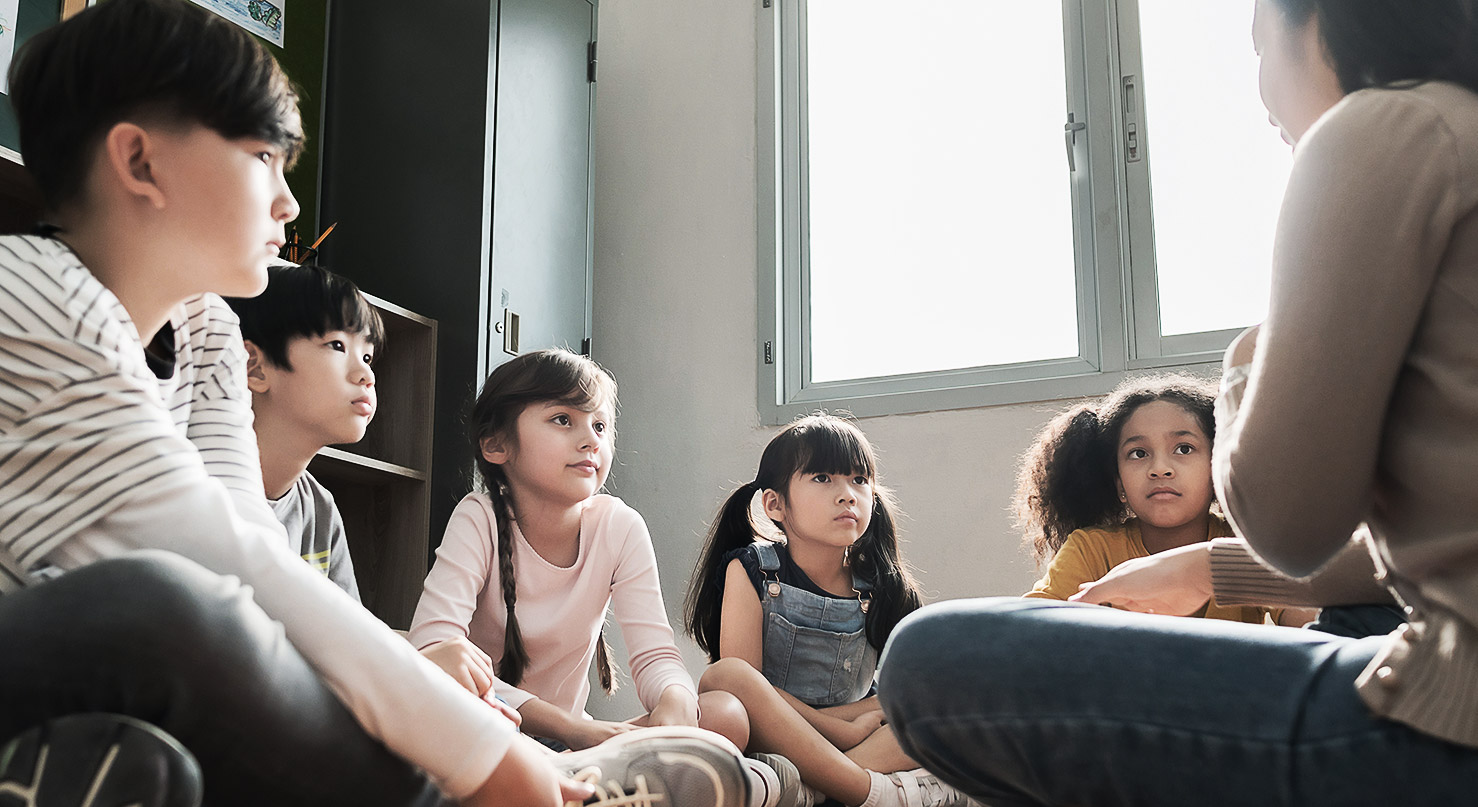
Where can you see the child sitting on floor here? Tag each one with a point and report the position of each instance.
(310, 340)
(794, 627)
(1124, 478)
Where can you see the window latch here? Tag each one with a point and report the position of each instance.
(1070, 135)
(1131, 120)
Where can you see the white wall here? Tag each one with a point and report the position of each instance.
(675, 286)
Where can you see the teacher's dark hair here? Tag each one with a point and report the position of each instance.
(1383, 43)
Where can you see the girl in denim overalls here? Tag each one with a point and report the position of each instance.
(794, 627)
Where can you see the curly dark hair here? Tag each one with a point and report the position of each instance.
(1067, 477)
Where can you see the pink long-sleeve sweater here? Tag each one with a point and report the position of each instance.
(560, 609)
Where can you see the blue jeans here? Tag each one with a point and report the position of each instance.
(157, 637)
(1033, 702)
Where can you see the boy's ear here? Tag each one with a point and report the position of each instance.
(129, 152)
(494, 450)
(774, 504)
(256, 369)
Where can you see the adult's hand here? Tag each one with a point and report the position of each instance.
(1177, 581)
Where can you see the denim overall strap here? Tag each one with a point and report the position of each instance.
(815, 647)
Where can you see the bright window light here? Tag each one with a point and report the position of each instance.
(940, 222)
(1217, 167)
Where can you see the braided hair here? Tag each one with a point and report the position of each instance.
(541, 376)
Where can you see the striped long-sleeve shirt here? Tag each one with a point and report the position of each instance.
(99, 456)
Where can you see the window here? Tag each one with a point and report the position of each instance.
(959, 211)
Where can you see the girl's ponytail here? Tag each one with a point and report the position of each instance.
(876, 558)
(732, 529)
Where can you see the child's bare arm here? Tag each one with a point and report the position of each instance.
(742, 621)
(852, 711)
(544, 719)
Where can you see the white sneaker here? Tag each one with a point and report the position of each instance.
(662, 766)
(791, 793)
(919, 788)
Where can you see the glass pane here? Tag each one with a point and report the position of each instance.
(941, 224)
(1217, 166)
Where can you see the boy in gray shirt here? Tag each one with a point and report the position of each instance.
(310, 340)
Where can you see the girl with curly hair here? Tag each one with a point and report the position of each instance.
(1122, 478)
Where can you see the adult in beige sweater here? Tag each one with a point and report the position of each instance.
(1353, 412)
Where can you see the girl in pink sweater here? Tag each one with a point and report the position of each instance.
(527, 569)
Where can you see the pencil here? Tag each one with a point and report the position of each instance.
(325, 235)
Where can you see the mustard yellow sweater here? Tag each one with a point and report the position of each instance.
(1089, 554)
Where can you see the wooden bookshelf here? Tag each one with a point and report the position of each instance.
(382, 483)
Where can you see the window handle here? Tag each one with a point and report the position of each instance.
(1070, 135)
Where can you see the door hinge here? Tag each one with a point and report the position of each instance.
(585, 347)
(769, 352)
(590, 65)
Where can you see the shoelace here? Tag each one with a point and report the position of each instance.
(933, 792)
(616, 796)
(927, 791)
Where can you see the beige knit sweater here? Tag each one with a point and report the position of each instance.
(1359, 412)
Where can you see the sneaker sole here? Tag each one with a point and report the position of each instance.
(90, 760)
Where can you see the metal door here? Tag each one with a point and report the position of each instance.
(541, 222)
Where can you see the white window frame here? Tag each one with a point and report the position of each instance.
(1117, 293)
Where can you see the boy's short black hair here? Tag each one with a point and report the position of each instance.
(162, 60)
(304, 301)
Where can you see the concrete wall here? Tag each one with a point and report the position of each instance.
(675, 300)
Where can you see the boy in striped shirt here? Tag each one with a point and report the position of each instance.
(158, 134)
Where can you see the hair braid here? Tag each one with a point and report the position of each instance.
(604, 667)
(515, 658)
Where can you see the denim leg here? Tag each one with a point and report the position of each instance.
(1358, 621)
(1033, 702)
(157, 637)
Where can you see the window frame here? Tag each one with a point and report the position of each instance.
(1116, 287)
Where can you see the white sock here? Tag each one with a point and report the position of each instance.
(881, 791)
(764, 785)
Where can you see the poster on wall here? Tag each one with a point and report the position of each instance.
(262, 17)
(9, 12)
